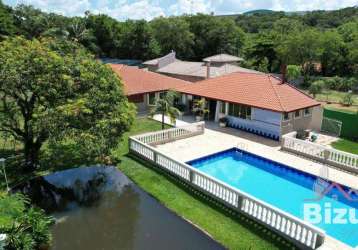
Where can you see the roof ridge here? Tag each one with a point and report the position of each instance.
(301, 91)
(277, 95)
(156, 74)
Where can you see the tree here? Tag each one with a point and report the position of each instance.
(261, 49)
(349, 34)
(316, 88)
(7, 26)
(347, 99)
(165, 106)
(106, 31)
(136, 41)
(293, 72)
(173, 33)
(51, 90)
(334, 53)
(263, 65)
(302, 48)
(32, 22)
(215, 35)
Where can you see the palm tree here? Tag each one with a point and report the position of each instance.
(200, 108)
(165, 107)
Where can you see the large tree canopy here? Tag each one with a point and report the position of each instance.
(7, 26)
(50, 90)
(167, 30)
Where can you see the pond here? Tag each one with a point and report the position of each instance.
(100, 208)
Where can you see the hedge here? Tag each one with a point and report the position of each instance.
(349, 122)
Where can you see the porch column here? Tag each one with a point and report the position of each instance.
(183, 98)
(226, 108)
(217, 110)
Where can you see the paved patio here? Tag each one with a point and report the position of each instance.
(217, 139)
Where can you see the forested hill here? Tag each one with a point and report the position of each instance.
(266, 39)
(254, 21)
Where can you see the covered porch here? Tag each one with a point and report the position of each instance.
(250, 119)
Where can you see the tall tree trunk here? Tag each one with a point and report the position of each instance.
(162, 120)
(31, 151)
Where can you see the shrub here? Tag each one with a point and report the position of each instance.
(316, 88)
(340, 83)
(347, 99)
(293, 72)
(26, 227)
(223, 120)
(180, 106)
(301, 134)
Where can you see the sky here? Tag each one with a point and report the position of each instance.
(149, 9)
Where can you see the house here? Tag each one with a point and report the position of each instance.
(143, 87)
(211, 67)
(256, 102)
(253, 101)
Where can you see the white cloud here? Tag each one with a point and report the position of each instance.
(148, 9)
(190, 7)
(65, 7)
(142, 9)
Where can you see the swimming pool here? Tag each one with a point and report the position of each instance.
(285, 188)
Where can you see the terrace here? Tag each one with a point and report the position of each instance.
(172, 148)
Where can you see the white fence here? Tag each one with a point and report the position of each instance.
(321, 153)
(172, 134)
(300, 232)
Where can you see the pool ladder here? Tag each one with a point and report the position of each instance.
(242, 146)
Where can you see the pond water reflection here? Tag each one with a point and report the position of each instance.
(100, 208)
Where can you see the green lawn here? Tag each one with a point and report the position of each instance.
(346, 145)
(233, 231)
(334, 96)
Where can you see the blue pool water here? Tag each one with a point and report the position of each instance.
(282, 187)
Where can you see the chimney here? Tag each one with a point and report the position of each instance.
(207, 70)
(283, 73)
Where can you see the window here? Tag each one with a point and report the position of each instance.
(286, 116)
(162, 95)
(241, 111)
(151, 98)
(223, 107)
(297, 114)
(136, 98)
(307, 112)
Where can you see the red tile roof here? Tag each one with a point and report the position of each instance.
(139, 81)
(257, 90)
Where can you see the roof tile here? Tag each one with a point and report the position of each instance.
(258, 90)
(138, 81)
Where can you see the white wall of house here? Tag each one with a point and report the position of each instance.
(262, 122)
(143, 105)
(310, 118)
(269, 123)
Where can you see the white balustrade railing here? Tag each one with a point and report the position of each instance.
(324, 154)
(290, 226)
(282, 222)
(167, 135)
